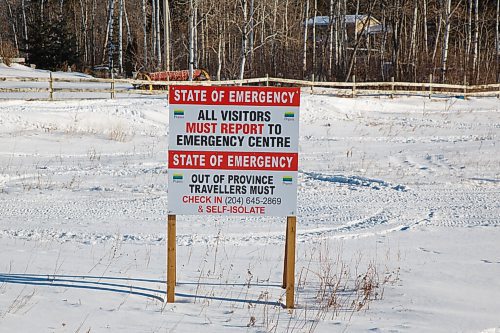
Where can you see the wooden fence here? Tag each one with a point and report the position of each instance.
(114, 87)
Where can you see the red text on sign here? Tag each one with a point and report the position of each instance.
(237, 128)
(203, 128)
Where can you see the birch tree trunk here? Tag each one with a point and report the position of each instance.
(357, 38)
(84, 25)
(413, 48)
(426, 37)
(330, 46)
(13, 24)
(338, 46)
(192, 9)
(251, 35)
(343, 29)
(166, 34)
(145, 32)
(92, 34)
(219, 51)
(120, 36)
(439, 24)
(273, 42)
(396, 39)
(476, 39)
(286, 26)
(25, 26)
(444, 57)
(195, 33)
(497, 42)
(203, 24)
(383, 44)
(158, 34)
(468, 40)
(127, 23)
(314, 38)
(153, 30)
(304, 56)
(111, 46)
(244, 40)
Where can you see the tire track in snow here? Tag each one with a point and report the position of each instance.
(380, 223)
(346, 213)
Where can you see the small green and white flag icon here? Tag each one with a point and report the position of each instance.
(178, 113)
(289, 115)
(287, 179)
(178, 177)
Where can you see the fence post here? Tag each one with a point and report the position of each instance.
(392, 86)
(312, 85)
(51, 87)
(430, 85)
(267, 80)
(112, 85)
(465, 86)
(354, 86)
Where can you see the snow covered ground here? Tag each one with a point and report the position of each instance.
(404, 193)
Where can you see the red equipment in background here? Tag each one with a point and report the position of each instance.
(183, 75)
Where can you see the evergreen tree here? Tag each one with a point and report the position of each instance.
(130, 58)
(51, 45)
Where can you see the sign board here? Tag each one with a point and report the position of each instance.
(233, 150)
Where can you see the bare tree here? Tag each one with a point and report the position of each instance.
(475, 40)
(192, 26)
(251, 33)
(145, 33)
(497, 41)
(25, 25)
(413, 40)
(306, 23)
(13, 24)
(120, 36)
(158, 33)
(166, 33)
(426, 35)
(244, 38)
(446, 37)
(109, 40)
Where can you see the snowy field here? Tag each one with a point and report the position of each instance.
(398, 222)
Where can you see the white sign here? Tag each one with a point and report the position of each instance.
(233, 150)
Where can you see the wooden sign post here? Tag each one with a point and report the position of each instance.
(289, 262)
(288, 267)
(171, 259)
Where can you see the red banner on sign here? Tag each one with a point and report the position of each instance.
(179, 159)
(251, 96)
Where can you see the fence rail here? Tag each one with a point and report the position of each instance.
(351, 89)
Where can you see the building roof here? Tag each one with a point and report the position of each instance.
(319, 20)
(325, 20)
(374, 26)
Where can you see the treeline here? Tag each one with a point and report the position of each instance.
(454, 40)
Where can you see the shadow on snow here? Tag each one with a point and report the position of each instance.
(122, 285)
